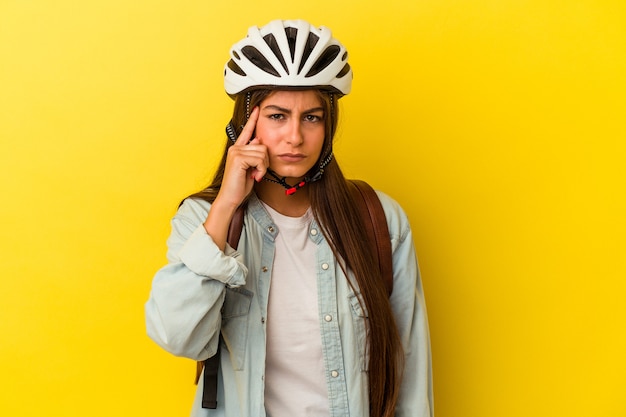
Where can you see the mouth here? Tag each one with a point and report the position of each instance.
(291, 157)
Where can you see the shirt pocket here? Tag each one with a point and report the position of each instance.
(235, 313)
(359, 324)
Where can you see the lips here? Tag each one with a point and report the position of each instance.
(291, 157)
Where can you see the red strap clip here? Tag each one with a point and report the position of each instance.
(295, 188)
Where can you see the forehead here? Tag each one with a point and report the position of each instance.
(299, 99)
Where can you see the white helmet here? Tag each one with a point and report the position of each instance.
(288, 53)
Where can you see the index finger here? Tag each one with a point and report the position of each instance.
(248, 129)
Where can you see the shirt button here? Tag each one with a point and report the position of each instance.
(328, 317)
(270, 229)
(264, 269)
(313, 232)
(324, 266)
(262, 319)
(334, 374)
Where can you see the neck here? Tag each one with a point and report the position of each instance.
(273, 195)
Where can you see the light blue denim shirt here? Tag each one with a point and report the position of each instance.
(203, 291)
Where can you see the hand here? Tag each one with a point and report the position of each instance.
(246, 162)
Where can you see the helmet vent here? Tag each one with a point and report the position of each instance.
(235, 68)
(258, 60)
(270, 40)
(324, 60)
(344, 71)
(291, 33)
(308, 48)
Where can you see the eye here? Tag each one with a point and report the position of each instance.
(276, 116)
(313, 118)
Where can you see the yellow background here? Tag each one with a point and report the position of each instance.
(498, 125)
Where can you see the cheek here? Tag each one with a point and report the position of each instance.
(262, 132)
(259, 129)
(318, 140)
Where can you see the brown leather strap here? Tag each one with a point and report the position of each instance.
(236, 225)
(371, 208)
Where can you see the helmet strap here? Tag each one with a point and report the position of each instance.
(332, 102)
(248, 95)
(291, 189)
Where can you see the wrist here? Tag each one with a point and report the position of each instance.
(222, 208)
(218, 220)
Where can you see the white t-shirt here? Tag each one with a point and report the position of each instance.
(295, 383)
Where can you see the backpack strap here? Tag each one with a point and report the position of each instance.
(371, 209)
(372, 213)
(235, 228)
(211, 367)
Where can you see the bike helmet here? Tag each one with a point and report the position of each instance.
(290, 54)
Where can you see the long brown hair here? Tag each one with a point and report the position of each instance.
(344, 229)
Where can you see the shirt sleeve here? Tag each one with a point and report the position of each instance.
(408, 304)
(183, 312)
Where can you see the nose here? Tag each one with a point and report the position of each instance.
(295, 136)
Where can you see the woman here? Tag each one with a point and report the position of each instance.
(298, 310)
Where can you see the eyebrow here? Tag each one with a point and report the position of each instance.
(288, 111)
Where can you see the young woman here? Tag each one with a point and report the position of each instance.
(298, 310)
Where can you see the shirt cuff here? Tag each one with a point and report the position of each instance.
(202, 256)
